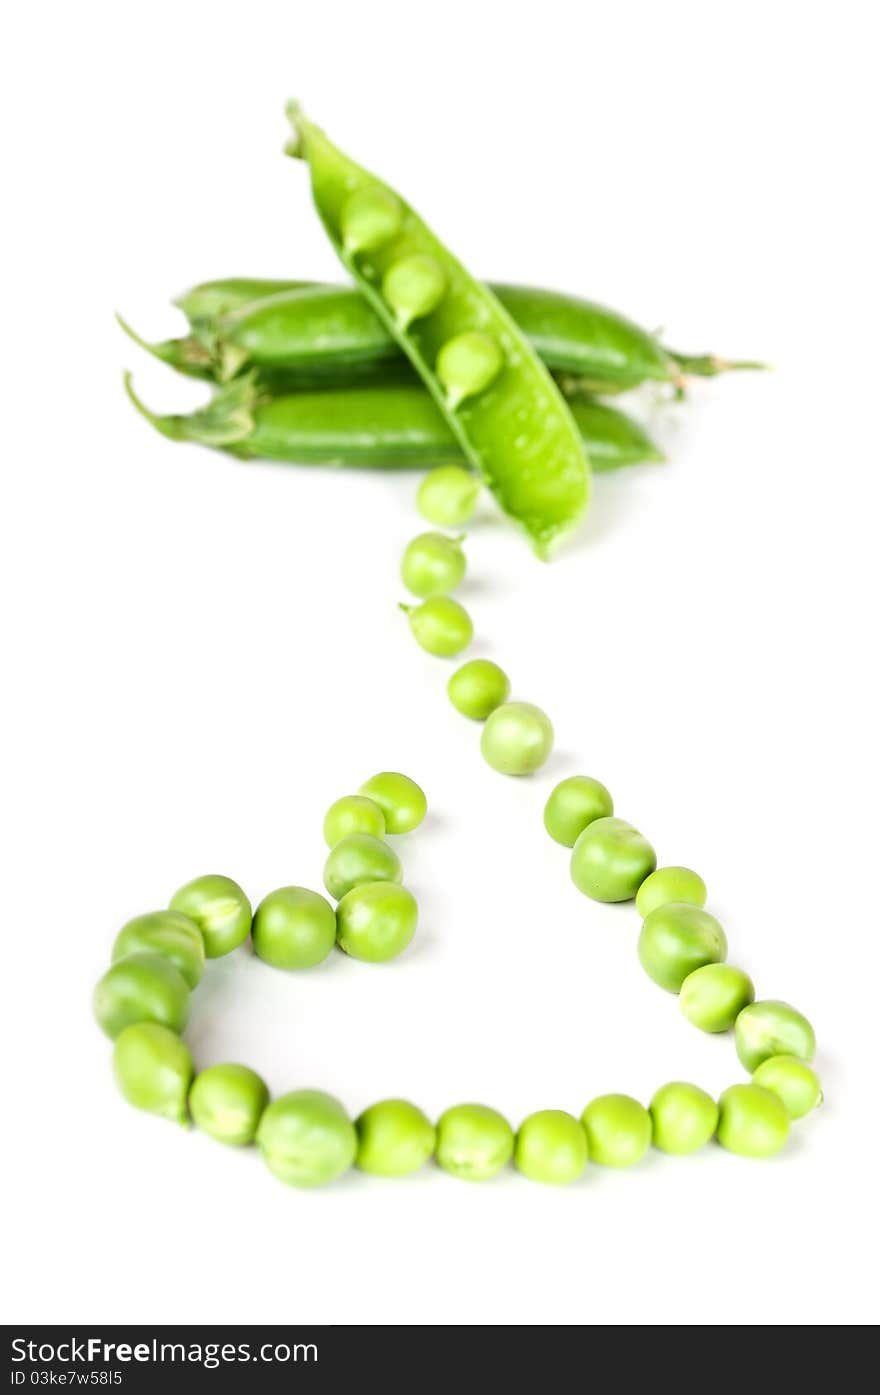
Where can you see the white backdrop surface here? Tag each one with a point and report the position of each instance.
(201, 655)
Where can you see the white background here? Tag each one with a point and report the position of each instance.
(200, 655)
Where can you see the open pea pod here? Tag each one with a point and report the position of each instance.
(499, 399)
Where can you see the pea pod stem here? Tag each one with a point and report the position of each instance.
(189, 355)
(712, 365)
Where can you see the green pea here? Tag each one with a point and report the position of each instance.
(448, 496)
(618, 1130)
(573, 805)
(683, 1117)
(376, 921)
(413, 287)
(357, 859)
(473, 1142)
(294, 928)
(610, 860)
(353, 813)
(551, 1146)
(141, 988)
(772, 1028)
(401, 800)
(432, 565)
(227, 1102)
(676, 939)
(394, 1139)
(713, 997)
(796, 1083)
(168, 933)
(369, 218)
(467, 364)
(670, 884)
(306, 1138)
(441, 626)
(219, 908)
(477, 688)
(751, 1121)
(517, 738)
(153, 1069)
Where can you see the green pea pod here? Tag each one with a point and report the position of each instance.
(499, 399)
(212, 298)
(204, 356)
(395, 426)
(572, 335)
(326, 329)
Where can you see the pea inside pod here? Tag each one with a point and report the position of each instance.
(497, 396)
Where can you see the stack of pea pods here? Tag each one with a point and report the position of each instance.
(418, 364)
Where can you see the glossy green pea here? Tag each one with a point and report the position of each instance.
(796, 1083)
(618, 1130)
(713, 997)
(441, 626)
(610, 860)
(394, 1139)
(334, 327)
(387, 426)
(467, 365)
(683, 1118)
(473, 1142)
(219, 908)
(551, 1146)
(772, 1028)
(141, 988)
(353, 813)
(751, 1121)
(477, 688)
(433, 565)
(448, 496)
(413, 286)
(369, 218)
(676, 939)
(520, 436)
(401, 800)
(376, 921)
(670, 884)
(227, 1102)
(168, 933)
(357, 859)
(294, 928)
(306, 1138)
(153, 1069)
(573, 805)
(517, 738)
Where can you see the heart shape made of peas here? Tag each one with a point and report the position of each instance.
(306, 1136)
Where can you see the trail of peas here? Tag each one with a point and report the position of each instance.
(503, 412)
